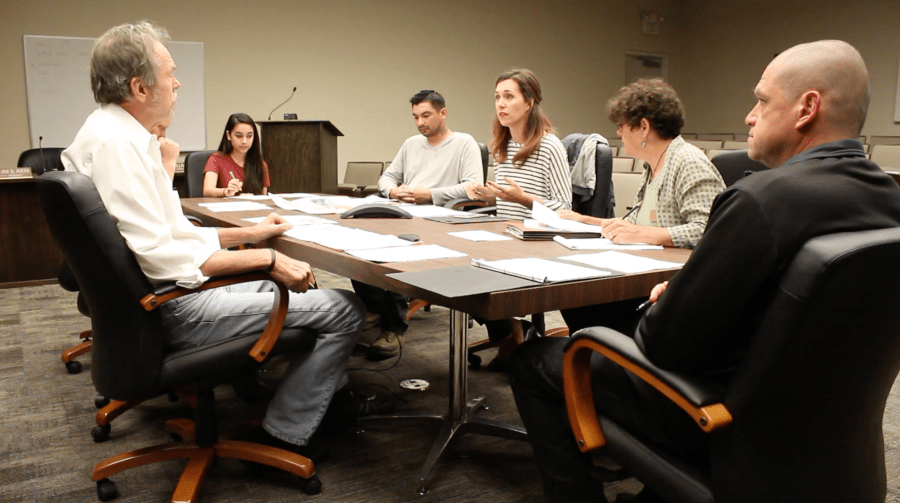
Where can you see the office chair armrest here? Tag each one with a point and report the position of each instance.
(699, 400)
(270, 334)
(194, 220)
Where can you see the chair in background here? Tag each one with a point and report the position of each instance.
(361, 178)
(623, 164)
(886, 156)
(41, 160)
(129, 361)
(716, 136)
(625, 186)
(736, 164)
(714, 152)
(689, 136)
(801, 418)
(615, 142)
(706, 144)
(194, 163)
(741, 137)
(735, 145)
(476, 205)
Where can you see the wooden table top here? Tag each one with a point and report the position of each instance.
(495, 305)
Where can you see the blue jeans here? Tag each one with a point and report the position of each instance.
(312, 378)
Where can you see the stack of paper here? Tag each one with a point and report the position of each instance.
(622, 262)
(545, 223)
(235, 206)
(539, 269)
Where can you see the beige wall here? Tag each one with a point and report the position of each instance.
(728, 44)
(357, 62)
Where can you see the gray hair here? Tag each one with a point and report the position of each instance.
(122, 53)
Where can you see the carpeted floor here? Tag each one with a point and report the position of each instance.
(46, 414)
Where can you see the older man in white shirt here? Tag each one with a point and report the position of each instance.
(132, 76)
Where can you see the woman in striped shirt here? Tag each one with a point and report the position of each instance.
(531, 166)
(531, 161)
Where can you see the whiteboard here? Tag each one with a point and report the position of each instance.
(58, 87)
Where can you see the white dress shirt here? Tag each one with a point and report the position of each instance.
(125, 163)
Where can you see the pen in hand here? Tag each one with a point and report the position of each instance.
(643, 307)
(632, 210)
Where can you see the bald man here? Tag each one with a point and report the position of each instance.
(812, 102)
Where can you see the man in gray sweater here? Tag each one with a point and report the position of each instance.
(430, 168)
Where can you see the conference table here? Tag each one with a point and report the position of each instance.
(460, 418)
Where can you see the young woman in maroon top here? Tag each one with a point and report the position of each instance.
(238, 165)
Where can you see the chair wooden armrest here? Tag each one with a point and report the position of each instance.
(696, 398)
(270, 334)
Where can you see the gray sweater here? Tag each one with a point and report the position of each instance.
(444, 168)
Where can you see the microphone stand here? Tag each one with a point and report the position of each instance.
(282, 103)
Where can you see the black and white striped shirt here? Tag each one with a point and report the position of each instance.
(545, 174)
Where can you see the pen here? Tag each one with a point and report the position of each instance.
(632, 210)
(644, 306)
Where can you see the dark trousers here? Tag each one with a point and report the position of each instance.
(620, 316)
(391, 306)
(536, 380)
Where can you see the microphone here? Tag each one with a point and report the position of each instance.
(40, 170)
(282, 103)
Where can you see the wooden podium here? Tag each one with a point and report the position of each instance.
(302, 155)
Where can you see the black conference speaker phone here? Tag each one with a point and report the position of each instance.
(376, 210)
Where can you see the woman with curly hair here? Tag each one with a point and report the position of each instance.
(680, 182)
(672, 205)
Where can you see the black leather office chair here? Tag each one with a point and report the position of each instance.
(801, 419)
(129, 359)
(41, 160)
(193, 171)
(466, 204)
(601, 203)
(735, 165)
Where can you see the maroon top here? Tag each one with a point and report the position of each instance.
(226, 169)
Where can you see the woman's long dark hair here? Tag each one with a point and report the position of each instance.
(253, 163)
(536, 125)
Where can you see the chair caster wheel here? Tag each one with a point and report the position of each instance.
(474, 361)
(101, 434)
(106, 490)
(311, 485)
(101, 401)
(73, 366)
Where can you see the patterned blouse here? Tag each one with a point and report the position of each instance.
(690, 182)
(545, 174)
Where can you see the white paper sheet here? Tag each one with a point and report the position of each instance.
(547, 217)
(408, 254)
(479, 236)
(235, 206)
(601, 244)
(297, 220)
(539, 269)
(345, 238)
(623, 262)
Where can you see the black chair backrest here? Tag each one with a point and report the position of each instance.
(193, 172)
(603, 202)
(41, 160)
(484, 161)
(735, 165)
(128, 341)
(808, 398)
